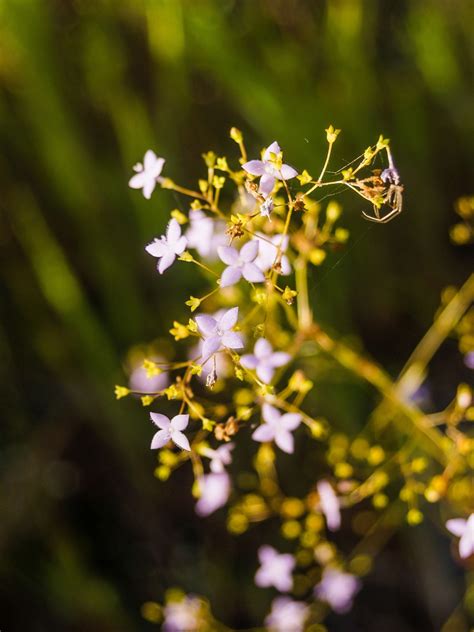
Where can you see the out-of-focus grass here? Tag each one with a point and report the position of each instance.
(85, 87)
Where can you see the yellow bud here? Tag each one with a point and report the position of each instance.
(209, 159)
(237, 523)
(172, 392)
(222, 164)
(203, 185)
(196, 369)
(291, 529)
(317, 256)
(147, 400)
(343, 470)
(167, 183)
(318, 429)
(292, 508)
(376, 455)
(162, 472)
(244, 397)
(179, 216)
(168, 458)
(382, 142)
(414, 517)
(193, 303)
(333, 211)
(332, 134)
(236, 135)
(192, 326)
(289, 295)
(151, 612)
(179, 331)
(239, 374)
(121, 391)
(463, 396)
(151, 368)
(186, 256)
(380, 501)
(419, 465)
(341, 235)
(208, 424)
(304, 178)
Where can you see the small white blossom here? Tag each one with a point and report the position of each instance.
(463, 529)
(278, 428)
(170, 430)
(267, 207)
(329, 505)
(268, 171)
(205, 234)
(214, 491)
(166, 248)
(275, 569)
(268, 251)
(183, 615)
(220, 457)
(337, 589)
(240, 264)
(287, 615)
(147, 173)
(217, 332)
(264, 360)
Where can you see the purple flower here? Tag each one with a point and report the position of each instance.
(277, 428)
(139, 380)
(287, 615)
(268, 250)
(214, 491)
(147, 173)
(275, 569)
(464, 529)
(205, 234)
(329, 505)
(217, 333)
(390, 175)
(268, 171)
(264, 360)
(338, 589)
(167, 247)
(182, 615)
(220, 457)
(170, 430)
(240, 264)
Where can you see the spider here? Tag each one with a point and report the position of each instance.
(393, 197)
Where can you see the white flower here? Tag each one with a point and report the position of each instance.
(147, 173)
(267, 207)
(170, 430)
(220, 457)
(165, 248)
(337, 589)
(182, 615)
(268, 251)
(205, 234)
(264, 360)
(214, 491)
(275, 569)
(268, 171)
(240, 264)
(217, 333)
(277, 427)
(287, 615)
(464, 529)
(329, 505)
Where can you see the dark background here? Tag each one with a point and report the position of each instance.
(87, 534)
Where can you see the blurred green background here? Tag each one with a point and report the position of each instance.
(86, 86)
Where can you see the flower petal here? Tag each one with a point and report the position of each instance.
(288, 172)
(274, 148)
(149, 160)
(262, 348)
(160, 420)
(160, 439)
(228, 255)
(229, 319)
(230, 276)
(148, 187)
(265, 373)
(279, 358)
(466, 546)
(270, 414)
(285, 441)
(181, 441)
(252, 273)
(254, 167)
(179, 422)
(457, 526)
(138, 180)
(249, 251)
(232, 340)
(206, 324)
(180, 245)
(290, 421)
(210, 346)
(173, 231)
(157, 168)
(157, 248)
(266, 554)
(249, 361)
(267, 182)
(166, 261)
(264, 433)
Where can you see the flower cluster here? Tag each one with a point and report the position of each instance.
(249, 347)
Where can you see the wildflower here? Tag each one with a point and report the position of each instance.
(205, 234)
(267, 207)
(214, 491)
(147, 173)
(287, 615)
(264, 360)
(464, 529)
(170, 430)
(143, 383)
(240, 264)
(329, 505)
(268, 170)
(167, 247)
(277, 428)
(390, 175)
(275, 569)
(220, 457)
(268, 251)
(217, 332)
(182, 615)
(338, 589)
